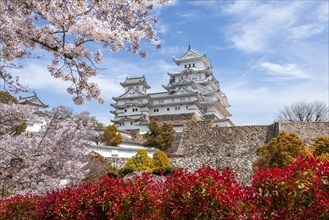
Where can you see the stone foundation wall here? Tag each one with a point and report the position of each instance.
(203, 144)
(307, 131)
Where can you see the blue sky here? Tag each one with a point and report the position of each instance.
(265, 54)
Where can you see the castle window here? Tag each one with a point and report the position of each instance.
(131, 123)
(161, 101)
(185, 66)
(156, 110)
(193, 64)
(186, 107)
(168, 109)
(177, 108)
(189, 65)
(125, 110)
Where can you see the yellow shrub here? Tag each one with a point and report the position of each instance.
(280, 151)
(160, 159)
(140, 162)
(321, 145)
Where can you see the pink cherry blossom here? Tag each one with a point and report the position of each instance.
(65, 29)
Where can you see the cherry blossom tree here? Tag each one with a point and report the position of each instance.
(65, 28)
(36, 163)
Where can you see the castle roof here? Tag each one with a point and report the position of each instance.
(191, 55)
(135, 81)
(32, 100)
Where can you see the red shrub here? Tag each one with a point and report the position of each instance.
(205, 194)
(19, 207)
(300, 191)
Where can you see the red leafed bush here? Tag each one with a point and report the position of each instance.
(19, 207)
(110, 198)
(300, 191)
(205, 194)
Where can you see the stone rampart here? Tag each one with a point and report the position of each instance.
(203, 144)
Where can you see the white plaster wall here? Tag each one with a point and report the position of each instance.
(119, 152)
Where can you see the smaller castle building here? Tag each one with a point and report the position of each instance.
(39, 109)
(193, 93)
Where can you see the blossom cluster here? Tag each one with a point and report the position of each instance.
(39, 162)
(64, 29)
(299, 191)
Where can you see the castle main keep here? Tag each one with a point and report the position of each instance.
(192, 93)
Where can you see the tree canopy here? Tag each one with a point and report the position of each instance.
(7, 98)
(65, 29)
(304, 112)
(280, 151)
(321, 147)
(160, 136)
(111, 136)
(38, 162)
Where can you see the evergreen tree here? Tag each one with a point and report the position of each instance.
(280, 151)
(111, 137)
(6, 98)
(161, 137)
(321, 147)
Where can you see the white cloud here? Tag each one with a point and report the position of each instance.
(36, 76)
(161, 28)
(187, 14)
(286, 70)
(260, 27)
(306, 31)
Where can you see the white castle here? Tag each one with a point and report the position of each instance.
(192, 93)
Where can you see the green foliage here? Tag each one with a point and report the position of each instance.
(6, 98)
(160, 159)
(110, 136)
(161, 137)
(125, 171)
(116, 140)
(140, 162)
(320, 145)
(280, 151)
